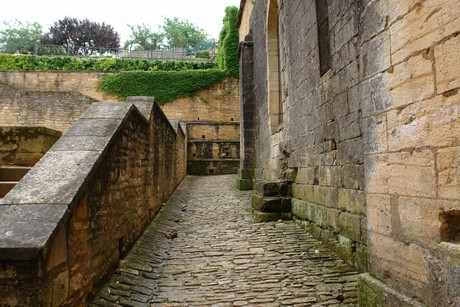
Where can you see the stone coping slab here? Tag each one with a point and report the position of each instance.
(24, 230)
(43, 198)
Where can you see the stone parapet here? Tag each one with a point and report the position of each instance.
(77, 212)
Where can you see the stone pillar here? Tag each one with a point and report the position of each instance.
(247, 139)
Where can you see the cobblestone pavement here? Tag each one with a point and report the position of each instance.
(204, 249)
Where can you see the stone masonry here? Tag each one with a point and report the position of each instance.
(358, 103)
(205, 249)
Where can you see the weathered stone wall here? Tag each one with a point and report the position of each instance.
(220, 103)
(81, 82)
(371, 143)
(50, 99)
(24, 146)
(320, 138)
(212, 119)
(68, 222)
(410, 82)
(57, 99)
(213, 148)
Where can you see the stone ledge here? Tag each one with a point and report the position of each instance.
(25, 229)
(373, 292)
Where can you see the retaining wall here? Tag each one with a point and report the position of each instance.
(68, 222)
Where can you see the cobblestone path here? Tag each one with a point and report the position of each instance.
(204, 249)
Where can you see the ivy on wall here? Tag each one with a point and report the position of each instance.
(65, 63)
(227, 57)
(163, 85)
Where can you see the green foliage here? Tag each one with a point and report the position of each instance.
(42, 63)
(163, 85)
(144, 38)
(227, 57)
(79, 36)
(20, 37)
(182, 34)
(203, 54)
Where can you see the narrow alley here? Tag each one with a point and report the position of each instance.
(204, 249)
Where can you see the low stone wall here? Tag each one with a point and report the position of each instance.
(24, 146)
(68, 222)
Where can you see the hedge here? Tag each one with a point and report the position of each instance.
(66, 63)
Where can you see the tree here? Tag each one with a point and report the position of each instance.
(182, 34)
(81, 36)
(20, 37)
(145, 39)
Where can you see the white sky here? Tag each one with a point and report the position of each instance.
(205, 14)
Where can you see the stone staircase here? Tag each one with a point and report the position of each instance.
(9, 176)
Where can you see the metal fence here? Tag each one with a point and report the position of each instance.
(102, 52)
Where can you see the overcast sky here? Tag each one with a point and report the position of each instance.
(206, 14)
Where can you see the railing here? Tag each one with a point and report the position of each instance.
(102, 52)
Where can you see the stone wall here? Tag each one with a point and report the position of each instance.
(212, 119)
(220, 103)
(24, 146)
(68, 222)
(57, 99)
(213, 148)
(360, 115)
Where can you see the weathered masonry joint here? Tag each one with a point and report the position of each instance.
(356, 105)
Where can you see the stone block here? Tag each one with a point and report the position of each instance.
(401, 265)
(350, 126)
(375, 54)
(350, 226)
(57, 252)
(326, 196)
(423, 27)
(404, 173)
(379, 214)
(271, 204)
(420, 219)
(55, 179)
(375, 134)
(433, 122)
(351, 200)
(411, 81)
(25, 229)
(301, 209)
(447, 65)
(448, 164)
(264, 188)
(373, 292)
(244, 184)
(60, 288)
(259, 216)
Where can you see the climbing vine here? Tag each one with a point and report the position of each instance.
(227, 57)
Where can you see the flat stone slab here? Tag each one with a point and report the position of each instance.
(55, 179)
(25, 229)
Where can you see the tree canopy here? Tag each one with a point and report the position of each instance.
(144, 38)
(173, 33)
(80, 36)
(20, 37)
